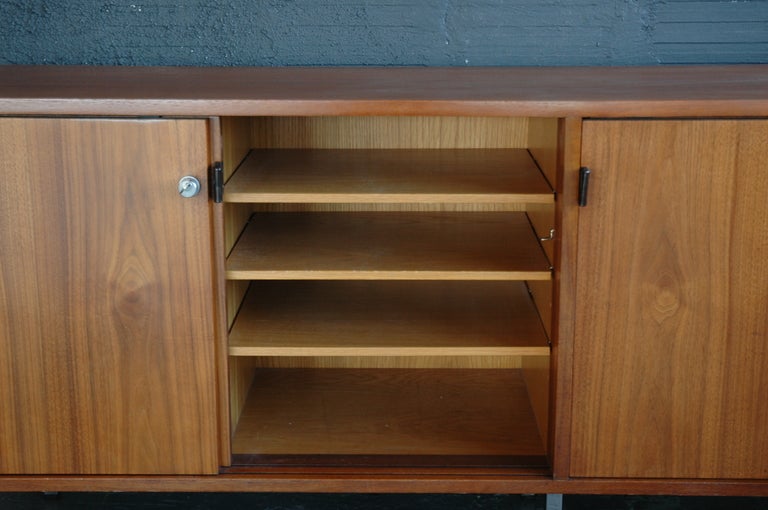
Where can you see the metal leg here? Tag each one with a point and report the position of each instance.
(554, 502)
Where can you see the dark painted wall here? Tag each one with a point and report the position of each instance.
(383, 32)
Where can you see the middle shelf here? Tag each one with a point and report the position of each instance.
(390, 318)
(388, 246)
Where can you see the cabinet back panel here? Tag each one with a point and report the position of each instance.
(389, 132)
(388, 362)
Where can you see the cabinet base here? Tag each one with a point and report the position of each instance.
(320, 482)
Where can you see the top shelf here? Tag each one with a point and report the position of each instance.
(501, 176)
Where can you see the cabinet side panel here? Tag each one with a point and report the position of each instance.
(543, 145)
(106, 305)
(535, 372)
(670, 350)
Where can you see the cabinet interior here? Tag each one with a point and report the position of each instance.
(389, 297)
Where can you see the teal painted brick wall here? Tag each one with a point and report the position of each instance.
(383, 32)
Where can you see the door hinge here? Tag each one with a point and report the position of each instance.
(217, 180)
(583, 185)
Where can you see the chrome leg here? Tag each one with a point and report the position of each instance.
(554, 502)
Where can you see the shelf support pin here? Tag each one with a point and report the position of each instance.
(550, 237)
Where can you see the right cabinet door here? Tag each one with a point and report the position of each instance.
(671, 336)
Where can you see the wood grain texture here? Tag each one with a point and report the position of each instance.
(241, 371)
(106, 316)
(391, 207)
(388, 319)
(670, 345)
(467, 246)
(563, 295)
(389, 132)
(396, 412)
(464, 361)
(219, 301)
(389, 176)
(536, 375)
(491, 91)
(543, 145)
(385, 480)
(235, 133)
(541, 292)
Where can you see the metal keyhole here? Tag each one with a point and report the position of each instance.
(189, 186)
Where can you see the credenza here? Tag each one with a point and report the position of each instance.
(511, 280)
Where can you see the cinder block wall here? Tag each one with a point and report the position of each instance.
(383, 32)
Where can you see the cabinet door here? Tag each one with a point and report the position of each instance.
(106, 328)
(671, 339)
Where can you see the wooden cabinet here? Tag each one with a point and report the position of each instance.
(670, 349)
(387, 316)
(106, 323)
(391, 286)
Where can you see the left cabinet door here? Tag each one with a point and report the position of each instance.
(106, 318)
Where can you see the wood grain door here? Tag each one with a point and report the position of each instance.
(671, 339)
(106, 328)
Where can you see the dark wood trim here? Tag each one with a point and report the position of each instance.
(220, 300)
(568, 158)
(250, 463)
(390, 483)
(524, 91)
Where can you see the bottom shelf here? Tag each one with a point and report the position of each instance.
(388, 417)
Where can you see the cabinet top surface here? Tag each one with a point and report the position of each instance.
(740, 90)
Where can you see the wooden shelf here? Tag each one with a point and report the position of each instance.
(501, 176)
(388, 412)
(388, 246)
(416, 318)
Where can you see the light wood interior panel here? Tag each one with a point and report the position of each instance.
(391, 412)
(397, 133)
(241, 371)
(236, 143)
(476, 176)
(541, 292)
(542, 218)
(352, 318)
(535, 372)
(471, 362)
(472, 246)
(543, 146)
(411, 207)
(389, 132)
